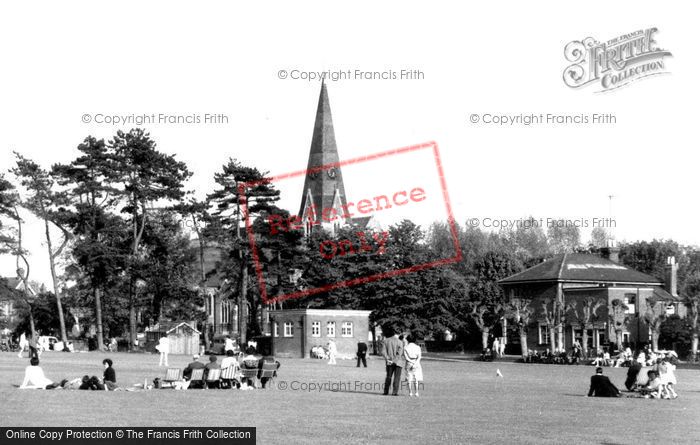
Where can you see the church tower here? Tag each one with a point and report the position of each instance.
(323, 198)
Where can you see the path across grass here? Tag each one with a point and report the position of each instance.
(461, 402)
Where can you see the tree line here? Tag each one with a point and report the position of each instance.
(113, 219)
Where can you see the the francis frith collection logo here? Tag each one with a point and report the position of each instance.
(615, 63)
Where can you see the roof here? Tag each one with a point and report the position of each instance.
(581, 267)
(170, 326)
(326, 312)
(13, 283)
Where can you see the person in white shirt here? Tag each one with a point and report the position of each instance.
(496, 347)
(164, 348)
(414, 370)
(332, 351)
(229, 345)
(34, 377)
(23, 344)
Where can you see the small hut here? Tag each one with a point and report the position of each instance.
(183, 337)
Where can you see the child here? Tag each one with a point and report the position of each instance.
(668, 378)
(653, 388)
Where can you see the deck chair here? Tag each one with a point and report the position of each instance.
(213, 377)
(250, 374)
(197, 378)
(269, 372)
(172, 375)
(230, 375)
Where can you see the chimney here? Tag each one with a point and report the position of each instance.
(671, 276)
(611, 252)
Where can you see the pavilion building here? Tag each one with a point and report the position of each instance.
(575, 277)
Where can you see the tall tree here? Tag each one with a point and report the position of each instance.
(619, 319)
(549, 313)
(691, 299)
(563, 238)
(655, 315)
(43, 201)
(89, 187)
(147, 176)
(585, 315)
(234, 207)
(520, 312)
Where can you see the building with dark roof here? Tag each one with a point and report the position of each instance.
(570, 280)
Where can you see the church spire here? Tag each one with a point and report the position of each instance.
(322, 189)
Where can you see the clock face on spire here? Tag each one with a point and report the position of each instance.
(313, 174)
(331, 172)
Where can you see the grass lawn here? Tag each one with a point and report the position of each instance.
(461, 402)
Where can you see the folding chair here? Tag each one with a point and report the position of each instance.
(250, 374)
(213, 377)
(197, 377)
(269, 372)
(172, 375)
(229, 375)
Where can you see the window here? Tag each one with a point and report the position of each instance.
(330, 329)
(288, 329)
(225, 311)
(543, 334)
(630, 300)
(316, 329)
(275, 329)
(346, 329)
(670, 309)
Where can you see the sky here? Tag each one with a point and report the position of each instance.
(69, 67)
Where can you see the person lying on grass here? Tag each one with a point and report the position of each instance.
(34, 377)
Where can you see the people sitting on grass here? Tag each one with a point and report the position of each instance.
(109, 378)
(91, 384)
(632, 373)
(34, 377)
(601, 386)
(654, 388)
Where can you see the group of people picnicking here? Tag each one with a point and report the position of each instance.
(650, 375)
(34, 378)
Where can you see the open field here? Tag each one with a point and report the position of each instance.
(461, 402)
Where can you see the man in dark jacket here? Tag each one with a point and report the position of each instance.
(362, 353)
(187, 372)
(601, 386)
(392, 351)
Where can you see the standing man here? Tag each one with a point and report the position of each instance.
(362, 353)
(332, 351)
(392, 351)
(163, 348)
(496, 347)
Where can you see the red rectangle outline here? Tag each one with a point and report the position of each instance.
(242, 188)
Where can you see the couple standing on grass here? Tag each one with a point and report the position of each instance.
(399, 356)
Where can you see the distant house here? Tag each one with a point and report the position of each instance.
(183, 337)
(572, 278)
(296, 331)
(7, 303)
